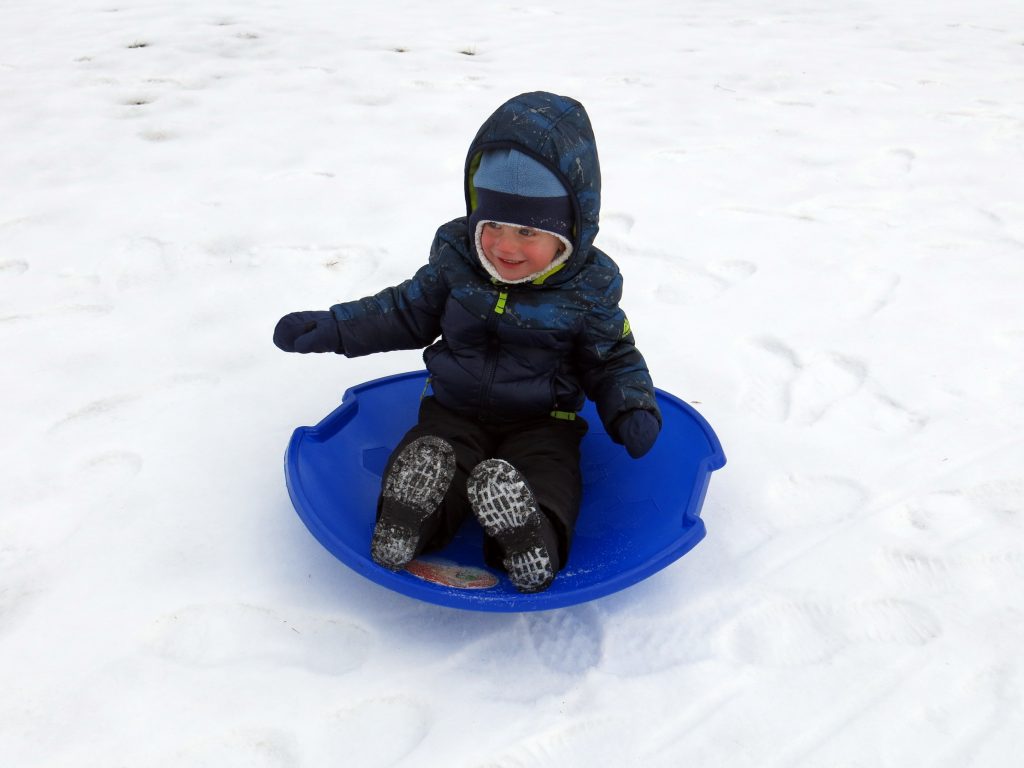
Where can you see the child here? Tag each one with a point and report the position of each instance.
(529, 323)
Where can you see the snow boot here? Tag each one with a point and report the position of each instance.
(507, 510)
(413, 489)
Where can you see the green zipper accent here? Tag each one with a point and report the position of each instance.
(563, 415)
(539, 280)
(499, 308)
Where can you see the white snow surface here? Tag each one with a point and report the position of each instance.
(819, 211)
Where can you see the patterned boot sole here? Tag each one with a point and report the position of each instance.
(413, 490)
(505, 506)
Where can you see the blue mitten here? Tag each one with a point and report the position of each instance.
(637, 430)
(308, 332)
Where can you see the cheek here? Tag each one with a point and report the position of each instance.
(541, 252)
(487, 239)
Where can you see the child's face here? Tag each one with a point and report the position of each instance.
(516, 252)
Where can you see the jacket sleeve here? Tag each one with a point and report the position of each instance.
(405, 316)
(615, 375)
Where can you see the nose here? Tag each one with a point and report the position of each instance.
(503, 243)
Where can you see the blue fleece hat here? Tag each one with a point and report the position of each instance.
(513, 188)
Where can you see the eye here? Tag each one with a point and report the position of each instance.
(527, 232)
(492, 225)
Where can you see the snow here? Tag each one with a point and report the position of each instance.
(819, 210)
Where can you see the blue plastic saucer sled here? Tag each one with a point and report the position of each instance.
(638, 516)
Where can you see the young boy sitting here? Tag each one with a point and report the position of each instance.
(527, 313)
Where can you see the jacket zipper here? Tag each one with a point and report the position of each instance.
(491, 361)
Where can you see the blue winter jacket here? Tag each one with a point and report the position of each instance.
(508, 352)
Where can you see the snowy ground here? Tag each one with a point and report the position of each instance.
(819, 209)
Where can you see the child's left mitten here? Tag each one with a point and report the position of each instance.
(637, 430)
(308, 332)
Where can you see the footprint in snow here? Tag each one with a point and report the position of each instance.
(887, 165)
(615, 739)
(769, 370)
(688, 284)
(376, 733)
(354, 262)
(567, 641)
(107, 472)
(102, 409)
(891, 416)
(157, 135)
(621, 223)
(251, 747)
(138, 262)
(13, 267)
(777, 632)
(942, 571)
(219, 635)
(17, 595)
(861, 293)
(1000, 496)
(780, 386)
(952, 546)
(645, 646)
(824, 382)
(820, 501)
(947, 516)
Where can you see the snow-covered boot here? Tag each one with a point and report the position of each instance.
(413, 489)
(507, 510)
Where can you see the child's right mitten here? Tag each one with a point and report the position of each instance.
(308, 332)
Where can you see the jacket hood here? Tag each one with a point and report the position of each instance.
(556, 131)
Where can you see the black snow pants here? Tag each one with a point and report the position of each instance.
(545, 450)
